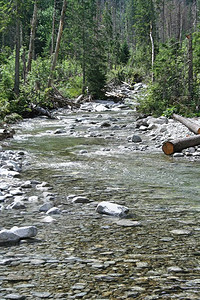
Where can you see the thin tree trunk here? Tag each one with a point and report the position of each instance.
(60, 31)
(53, 29)
(152, 52)
(32, 38)
(190, 67)
(17, 51)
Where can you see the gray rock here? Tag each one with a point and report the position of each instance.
(46, 206)
(16, 205)
(105, 124)
(15, 297)
(80, 199)
(112, 209)
(26, 184)
(127, 223)
(25, 232)
(180, 232)
(136, 139)
(53, 211)
(7, 236)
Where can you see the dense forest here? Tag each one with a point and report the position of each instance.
(73, 47)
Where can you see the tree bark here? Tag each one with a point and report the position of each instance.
(32, 38)
(17, 51)
(195, 128)
(178, 145)
(60, 31)
(53, 28)
(152, 52)
(190, 67)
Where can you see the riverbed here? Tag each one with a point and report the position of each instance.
(81, 254)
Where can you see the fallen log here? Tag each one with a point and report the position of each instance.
(195, 128)
(178, 145)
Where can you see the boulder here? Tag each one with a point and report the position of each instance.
(24, 232)
(7, 236)
(112, 209)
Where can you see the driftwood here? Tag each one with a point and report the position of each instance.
(56, 97)
(42, 111)
(195, 128)
(178, 145)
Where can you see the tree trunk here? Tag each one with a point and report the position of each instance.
(17, 51)
(190, 67)
(32, 38)
(53, 29)
(195, 128)
(60, 31)
(152, 52)
(178, 145)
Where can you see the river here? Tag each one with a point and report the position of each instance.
(85, 255)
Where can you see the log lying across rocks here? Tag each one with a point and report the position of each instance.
(178, 145)
(195, 128)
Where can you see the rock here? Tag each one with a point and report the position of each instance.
(15, 297)
(26, 184)
(7, 236)
(136, 139)
(59, 131)
(16, 192)
(25, 232)
(46, 206)
(53, 211)
(105, 124)
(33, 199)
(42, 295)
(127, 223)
(83, 151)
(175, 269)
(16, 205)
(48, 219)
(180, 232)
(178, 154)
(112, 209)
(80, 199)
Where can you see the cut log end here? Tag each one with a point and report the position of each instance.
(198, 132)
(168, 148)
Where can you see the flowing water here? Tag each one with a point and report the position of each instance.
(84, 255)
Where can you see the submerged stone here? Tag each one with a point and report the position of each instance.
(112, 209)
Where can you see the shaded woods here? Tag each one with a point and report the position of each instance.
(83, 47)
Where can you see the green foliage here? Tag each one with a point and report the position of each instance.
(124, 53)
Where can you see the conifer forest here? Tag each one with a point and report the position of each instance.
(74, 47)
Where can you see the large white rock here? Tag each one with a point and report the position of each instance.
(112, 209)
(24, 232)
(7, 236)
